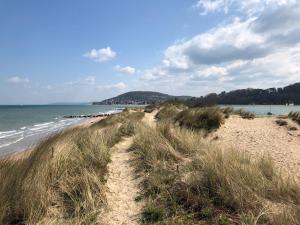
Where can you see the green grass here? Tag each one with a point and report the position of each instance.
(207, 118)
(167, 112)
(191, 181)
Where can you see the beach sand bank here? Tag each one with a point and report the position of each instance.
(262, 136)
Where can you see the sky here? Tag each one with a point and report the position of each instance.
(83, 51)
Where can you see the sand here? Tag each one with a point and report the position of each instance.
(262, 136)
(123, 188)
(149, 118)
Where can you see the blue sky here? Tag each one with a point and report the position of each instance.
(61, 51)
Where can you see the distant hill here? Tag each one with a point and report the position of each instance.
(139, 98)
(271, 96)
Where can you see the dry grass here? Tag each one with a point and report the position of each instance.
(206, 118)
(231, 111)
(190, 181)
(60, 181)
(295, 116)
(167, 112)
(150, 108)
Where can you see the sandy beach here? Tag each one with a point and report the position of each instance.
(262, 136)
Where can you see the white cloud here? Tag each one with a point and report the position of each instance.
(250, 7)
(222, 44)
(119, 85)
(17, 79)
(101, 55)
(126, 70)
(116, 86)
(259, 49)
(90, 80)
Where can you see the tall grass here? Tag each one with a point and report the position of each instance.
(231, 111)
(295, 116)
(167, 112)
(60, 181)
(191, 181)
(208, 118)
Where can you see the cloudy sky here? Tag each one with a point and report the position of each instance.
(79, 51)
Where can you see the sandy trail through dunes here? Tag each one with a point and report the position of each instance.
(122, 187)
(263, 136)
(149, 118)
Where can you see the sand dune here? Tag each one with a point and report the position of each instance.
(262, 136)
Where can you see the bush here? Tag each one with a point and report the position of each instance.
(167, 112)
(245, 114)
(227, 111)
(208, 118)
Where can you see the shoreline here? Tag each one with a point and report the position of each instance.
(15, 154)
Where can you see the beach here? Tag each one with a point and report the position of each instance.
(263, 137)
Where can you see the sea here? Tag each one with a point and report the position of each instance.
(21, 127)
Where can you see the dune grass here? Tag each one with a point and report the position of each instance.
(295, 116)
(242, 113)
(60, 181)
(167, 112)
(206, 118)
(188, 180)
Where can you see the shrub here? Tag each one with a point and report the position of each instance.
(227, 111)
(209, 118)
(167, 112)
(152, 214)
(245, 114)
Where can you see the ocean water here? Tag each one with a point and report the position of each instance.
(262, 110)
(22, 126)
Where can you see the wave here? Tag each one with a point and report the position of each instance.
(43, 124)
(11, 134)
(7, 132)
(38, 128)
(13, 142)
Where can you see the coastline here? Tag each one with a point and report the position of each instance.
(17, 154)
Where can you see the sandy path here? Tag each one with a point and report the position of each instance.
(122, 188)
(262, 136)
(149, 118)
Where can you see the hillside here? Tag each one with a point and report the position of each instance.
(273, 96)
(139, 98)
